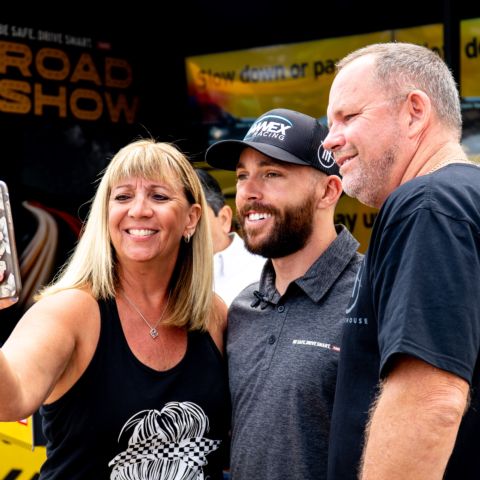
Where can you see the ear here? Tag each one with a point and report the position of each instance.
(332, 189)
(419, 109)
(225, 216)
(193, 217)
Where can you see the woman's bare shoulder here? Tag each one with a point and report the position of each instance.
(65, 306)
(77, 296)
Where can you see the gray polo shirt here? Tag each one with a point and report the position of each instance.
(282, 355)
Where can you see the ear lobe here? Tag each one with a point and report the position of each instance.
(193, 217)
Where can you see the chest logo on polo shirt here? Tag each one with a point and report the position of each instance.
(314, 343)
(165, 445)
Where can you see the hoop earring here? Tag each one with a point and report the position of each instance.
(187, 237)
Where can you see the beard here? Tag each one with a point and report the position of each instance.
(291, 230)
(369, 181)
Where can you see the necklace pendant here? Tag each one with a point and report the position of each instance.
(153, 333)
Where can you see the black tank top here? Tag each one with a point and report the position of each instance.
(124, 420)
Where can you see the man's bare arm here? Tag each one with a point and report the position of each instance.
(414, 423)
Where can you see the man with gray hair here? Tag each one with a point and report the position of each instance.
(406, 402)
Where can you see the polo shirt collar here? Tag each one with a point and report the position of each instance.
(321, 275)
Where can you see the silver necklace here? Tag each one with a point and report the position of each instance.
(153, 329)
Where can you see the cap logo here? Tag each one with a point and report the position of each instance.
(325, 157)
(272, 126)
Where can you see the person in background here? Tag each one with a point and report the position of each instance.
(234, 267)
(407, 399)
(124, 350)
(284, 331)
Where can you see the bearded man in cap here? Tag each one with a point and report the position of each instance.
(284, 331)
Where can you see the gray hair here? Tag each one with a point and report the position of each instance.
(403, 67)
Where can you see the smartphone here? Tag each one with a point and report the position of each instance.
(10, 281)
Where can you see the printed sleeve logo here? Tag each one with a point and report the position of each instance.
(165, 445)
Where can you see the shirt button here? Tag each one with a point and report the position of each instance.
(280, 308)
(271, 339)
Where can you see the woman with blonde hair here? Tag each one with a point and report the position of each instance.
(123, 352)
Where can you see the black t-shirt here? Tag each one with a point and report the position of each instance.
(417, 293)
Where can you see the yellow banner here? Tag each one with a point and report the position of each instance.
(430, 36)
(247, 83)
(470, 58)
(358, 218)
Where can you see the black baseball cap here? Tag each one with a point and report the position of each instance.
(282, 134)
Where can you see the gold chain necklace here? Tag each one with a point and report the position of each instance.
(153, 329)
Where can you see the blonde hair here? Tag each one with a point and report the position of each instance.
(93, 263)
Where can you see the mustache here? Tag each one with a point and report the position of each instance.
(259, 207)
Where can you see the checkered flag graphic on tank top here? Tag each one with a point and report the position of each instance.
(192, 451)
(166, 445)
